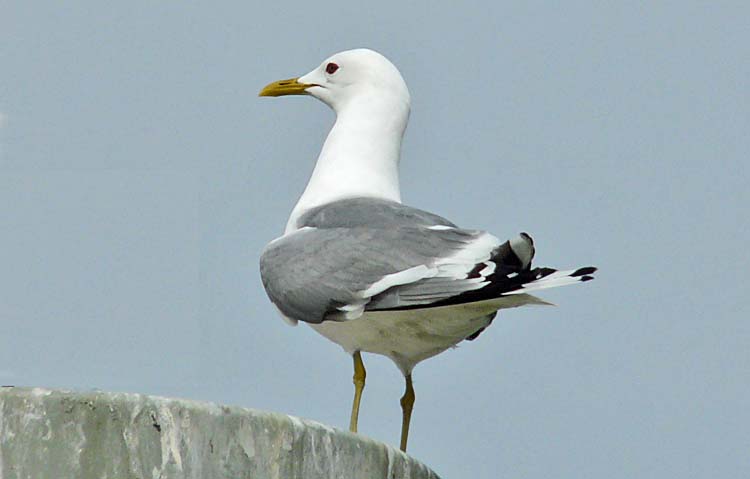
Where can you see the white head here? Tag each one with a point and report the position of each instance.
(361, 154)
(347, 78)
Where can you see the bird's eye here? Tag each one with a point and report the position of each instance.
(331, 68)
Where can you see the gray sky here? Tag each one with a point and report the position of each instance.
(140, 177)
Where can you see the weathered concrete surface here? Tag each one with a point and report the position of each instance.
(62, 434)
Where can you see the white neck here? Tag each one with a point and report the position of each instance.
(359, 158)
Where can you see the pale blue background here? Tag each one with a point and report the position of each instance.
(140, 177)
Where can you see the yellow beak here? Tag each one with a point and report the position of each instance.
(285, 87)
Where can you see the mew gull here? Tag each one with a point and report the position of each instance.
(368, 272)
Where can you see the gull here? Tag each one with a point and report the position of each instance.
(370, 273)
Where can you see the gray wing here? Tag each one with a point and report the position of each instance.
(367, 254)
(362, 254)
(318, 274)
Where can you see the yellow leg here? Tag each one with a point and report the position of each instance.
(407, 404)
(359, 385)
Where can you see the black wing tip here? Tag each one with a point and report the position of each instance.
(586, 278)
(585, 271)
(542, 272)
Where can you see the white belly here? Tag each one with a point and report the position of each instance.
(411, 336)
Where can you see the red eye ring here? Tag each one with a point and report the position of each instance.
(331, 68)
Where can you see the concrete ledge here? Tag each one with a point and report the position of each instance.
(63, 434)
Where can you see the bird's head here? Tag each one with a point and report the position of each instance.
(345, 78)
